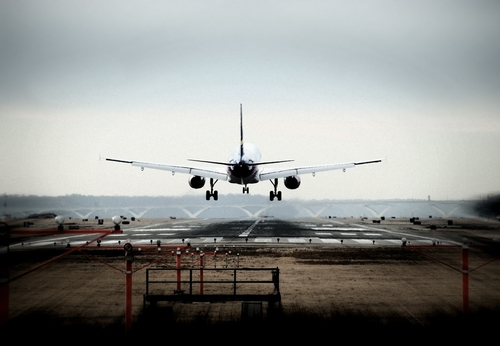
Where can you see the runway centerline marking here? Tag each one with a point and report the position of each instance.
(250, 229)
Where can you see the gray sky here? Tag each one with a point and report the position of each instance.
(320, 82)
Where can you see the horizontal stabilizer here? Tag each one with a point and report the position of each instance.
(231, 164)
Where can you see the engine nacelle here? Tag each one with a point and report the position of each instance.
(196, 182)
(116, 219)
(292, 182)
(59, 219)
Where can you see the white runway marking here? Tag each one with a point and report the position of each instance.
(263, 240)
(402, 234)
(62, 241)
(142, 242)
(394, 241)
(336, 222)
(50, 241)
(296, 240)
(363, 241)
(109, 242)
(330, 241)
(211, 240)
(176, 241)
(337, 229)
(250, 229)
(168, 229)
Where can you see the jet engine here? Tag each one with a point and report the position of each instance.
(292, 182)
(59, 219)
(196, 182)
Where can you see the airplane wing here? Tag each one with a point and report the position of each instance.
(286, 172)
(202, 172)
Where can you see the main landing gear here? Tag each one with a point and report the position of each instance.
(274, 194)
(212, 193)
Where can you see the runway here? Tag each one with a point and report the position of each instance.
(333, 271)
(271, 231)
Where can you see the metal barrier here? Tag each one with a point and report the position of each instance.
(219, 290)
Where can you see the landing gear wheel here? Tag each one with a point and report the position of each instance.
(275, 193)
(246, 189)
(212, 193)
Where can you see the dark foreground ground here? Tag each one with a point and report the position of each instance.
(346, 294)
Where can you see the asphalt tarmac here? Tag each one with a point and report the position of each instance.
(260, 232)
(336, 274)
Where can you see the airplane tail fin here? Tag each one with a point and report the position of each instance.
(241, 150)
(241, 132)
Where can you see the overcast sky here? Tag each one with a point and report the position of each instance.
(416, 82)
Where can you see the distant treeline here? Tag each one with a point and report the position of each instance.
(85, 201)
(88, 201)
(238, 205)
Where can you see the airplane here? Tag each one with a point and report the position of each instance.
(244, 168)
